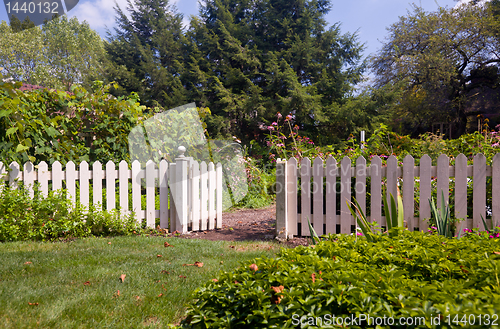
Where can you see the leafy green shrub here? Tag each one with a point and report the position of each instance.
(46, 125)
(261, 182)
(415, 275)
(55, 216)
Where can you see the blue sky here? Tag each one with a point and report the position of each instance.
(369, 17)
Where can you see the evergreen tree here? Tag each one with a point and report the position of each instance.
(146, 52)
(260, 57)
(246, 60)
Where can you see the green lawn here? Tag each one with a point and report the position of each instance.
(77, 284)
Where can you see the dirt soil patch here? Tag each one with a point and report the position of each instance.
(246, 225)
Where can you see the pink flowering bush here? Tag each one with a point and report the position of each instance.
(285, 142)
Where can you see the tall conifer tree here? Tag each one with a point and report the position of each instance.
(146, 52)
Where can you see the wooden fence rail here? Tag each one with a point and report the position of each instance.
(311, 191)
(190, 193)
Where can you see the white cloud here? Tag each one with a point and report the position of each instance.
(99, 13)
(462, 2)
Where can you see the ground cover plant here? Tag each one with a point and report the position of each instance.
(121, 282)
(55, 217)
(417, 275)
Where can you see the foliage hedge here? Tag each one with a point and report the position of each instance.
(414, 275)
(55, 217)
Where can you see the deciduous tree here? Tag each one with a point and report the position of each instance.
(441, 61)
(59, 54)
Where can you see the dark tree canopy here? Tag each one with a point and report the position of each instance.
(146, 52)
(244, 59)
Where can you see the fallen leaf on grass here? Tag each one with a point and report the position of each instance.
(86, 283)
(137, 298)
(496, 253)
(109, 242)
(160, 295)
(199, 264)
(117, 294)
(122, 277)
(28, 263)
(32, 304)
(166, 272)
(158, 256)
(231, 247)
(182, 276)
(166, 244)
(215, 280)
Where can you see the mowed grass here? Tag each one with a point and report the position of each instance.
(77, 284)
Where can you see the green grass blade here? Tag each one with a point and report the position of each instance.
(361, 220)
(401, 215)
(394, 214)
(443, 206)
(314, 235)
(485, 225)
(387, 215)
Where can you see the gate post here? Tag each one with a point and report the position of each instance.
(181, 191)
(281, 201)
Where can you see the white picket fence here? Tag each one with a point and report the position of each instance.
(190, 193)
(322, 183)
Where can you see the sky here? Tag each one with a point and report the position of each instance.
(369, 18)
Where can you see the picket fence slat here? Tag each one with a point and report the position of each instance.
(14, 174)
(204, 195)
(376, 190)
(150, 194)
(360, 187)
(461, 189)
(479, 191)
(43, 178)
(57, 174)
(218, 206)
(211, 196)
(392, 177)
(97, 184)
(305, 195)
(70, 181)
(409, 190)
(123, 185)
(164, 195)
(195, 183)
(495, 193)
(331, 196)
(443, 179)
(317, 192)
(84, 184)
(345, 195)
(425, 190)
(411, 180)
(136, 190)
